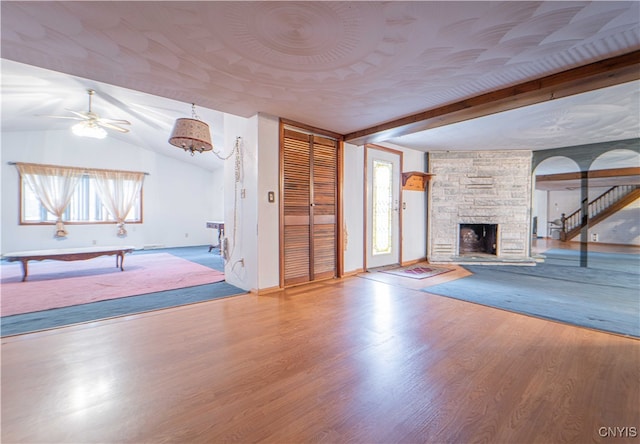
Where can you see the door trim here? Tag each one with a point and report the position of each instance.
(365, 242)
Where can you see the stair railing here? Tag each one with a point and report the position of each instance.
(596, 206)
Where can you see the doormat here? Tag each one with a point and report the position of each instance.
(417, 271)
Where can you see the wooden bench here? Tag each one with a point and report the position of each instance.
(67, 254)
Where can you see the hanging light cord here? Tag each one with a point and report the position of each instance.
(235, 148)
(193, 112)
(237, 180)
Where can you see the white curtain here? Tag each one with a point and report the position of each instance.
(53, 186)
(118, 191)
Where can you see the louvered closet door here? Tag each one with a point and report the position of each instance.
(323, 209)
(309, 205)
(296, 202)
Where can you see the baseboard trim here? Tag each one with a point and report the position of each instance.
(263, 291)
(353, 272)
(412, 262)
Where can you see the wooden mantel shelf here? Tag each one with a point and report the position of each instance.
(415, 180)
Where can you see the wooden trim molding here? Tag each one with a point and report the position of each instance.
(413, 262)
(85, 170)
(592, 174)
(365, 206)
(340, 210)
(263, 291)
(311, 129)
(281, 202)
(351, 273)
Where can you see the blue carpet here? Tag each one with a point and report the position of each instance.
(628, 263)
(199, 255)
(603, 296)
(58, 317)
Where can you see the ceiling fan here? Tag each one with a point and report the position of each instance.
(91, 124)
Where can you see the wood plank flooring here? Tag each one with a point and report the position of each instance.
(353, 360)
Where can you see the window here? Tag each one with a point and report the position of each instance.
(85, 206)
(382, 206)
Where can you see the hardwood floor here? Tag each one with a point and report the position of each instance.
(354, 360)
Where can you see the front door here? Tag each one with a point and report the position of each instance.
(383, 207)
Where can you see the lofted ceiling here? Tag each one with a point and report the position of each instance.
(338, 66)
(30, 95)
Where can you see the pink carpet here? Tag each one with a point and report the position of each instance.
(54, 284)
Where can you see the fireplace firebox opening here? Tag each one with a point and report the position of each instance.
(478, 238)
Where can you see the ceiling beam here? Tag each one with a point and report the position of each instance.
(594, 174)
(601, 74)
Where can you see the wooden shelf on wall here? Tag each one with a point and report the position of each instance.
(415, 180)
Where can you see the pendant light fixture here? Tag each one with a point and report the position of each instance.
(88, 128)
(192, 135)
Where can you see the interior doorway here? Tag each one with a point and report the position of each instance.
(383, 216)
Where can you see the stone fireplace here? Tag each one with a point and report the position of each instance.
(479, 205)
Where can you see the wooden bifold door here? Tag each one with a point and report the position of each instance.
(309, 207)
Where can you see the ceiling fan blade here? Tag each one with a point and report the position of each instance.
(92, 119)
(115, 121)
(83, 115)
(63, 117)
(128, 109)
(113, 127)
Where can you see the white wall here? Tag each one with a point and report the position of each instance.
(353, 200)
(540, 208)
(268, 228)
(178, 198)
(562, 201)
(240, 208)
(414, 216)
(619, 228)
(253, 242)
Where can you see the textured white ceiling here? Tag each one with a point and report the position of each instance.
(340, 66)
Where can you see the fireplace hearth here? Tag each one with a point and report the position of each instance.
(478, 238)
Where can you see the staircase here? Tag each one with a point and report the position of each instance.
(599, 209)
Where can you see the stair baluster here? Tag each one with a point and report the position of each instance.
(573, 223)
